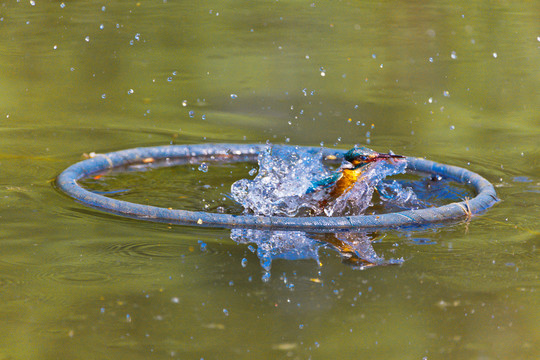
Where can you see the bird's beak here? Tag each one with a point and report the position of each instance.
(386, 157)
(347, 165)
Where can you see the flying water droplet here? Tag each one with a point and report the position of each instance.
(203, 167)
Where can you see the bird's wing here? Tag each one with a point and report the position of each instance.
(324, 183)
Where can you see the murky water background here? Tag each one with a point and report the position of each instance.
(453, 81)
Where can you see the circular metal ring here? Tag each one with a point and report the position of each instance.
(178, 154)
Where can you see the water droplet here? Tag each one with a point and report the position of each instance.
(452, 127)
(32, 2)
(62, 5)
(87, 39)
(234, 96)
(191, 113)
(252, 172)
(103, 8)
(101, 26)
(226, 312)
(184, 103)
(103, 96)
(430, 100)
(203, 167)
(130, 91)
(175, 300)
(430, 59)
(495, 55)
(453, 55)
(244, 262)
(446, 93)
(202, 245)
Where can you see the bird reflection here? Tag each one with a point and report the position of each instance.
(355, 248)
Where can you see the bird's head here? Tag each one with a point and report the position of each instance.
(359, 157)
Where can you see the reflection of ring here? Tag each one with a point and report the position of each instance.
(185, 154)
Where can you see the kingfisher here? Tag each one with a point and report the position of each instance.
(356, 162)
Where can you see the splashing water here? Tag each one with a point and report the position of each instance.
(286, 175)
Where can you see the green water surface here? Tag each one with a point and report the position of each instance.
(456, 82)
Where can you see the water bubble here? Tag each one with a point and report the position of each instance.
(175, 300)
(234, 96)
(374, 56)
(446, 93)
(453, 55)
(191, 113)
(323, 72)
(452, 127)
(244, 262)
(252, 172)
(430, 100)
(169, 79)
(226, 312)
(103, 96)
(184, 103)
(430, 59)
(103, 8)
(87, 39)
(62, 5)
(495, 55)
(32, 2)
(130, 91)
(203, 167)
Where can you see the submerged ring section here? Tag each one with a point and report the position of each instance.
(186, 154)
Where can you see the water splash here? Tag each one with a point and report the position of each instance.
(285, 174)
(284, 183)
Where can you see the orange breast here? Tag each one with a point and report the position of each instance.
(345, 183)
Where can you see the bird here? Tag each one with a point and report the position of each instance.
(355, 163)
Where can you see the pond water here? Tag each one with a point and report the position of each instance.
(452, 81)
